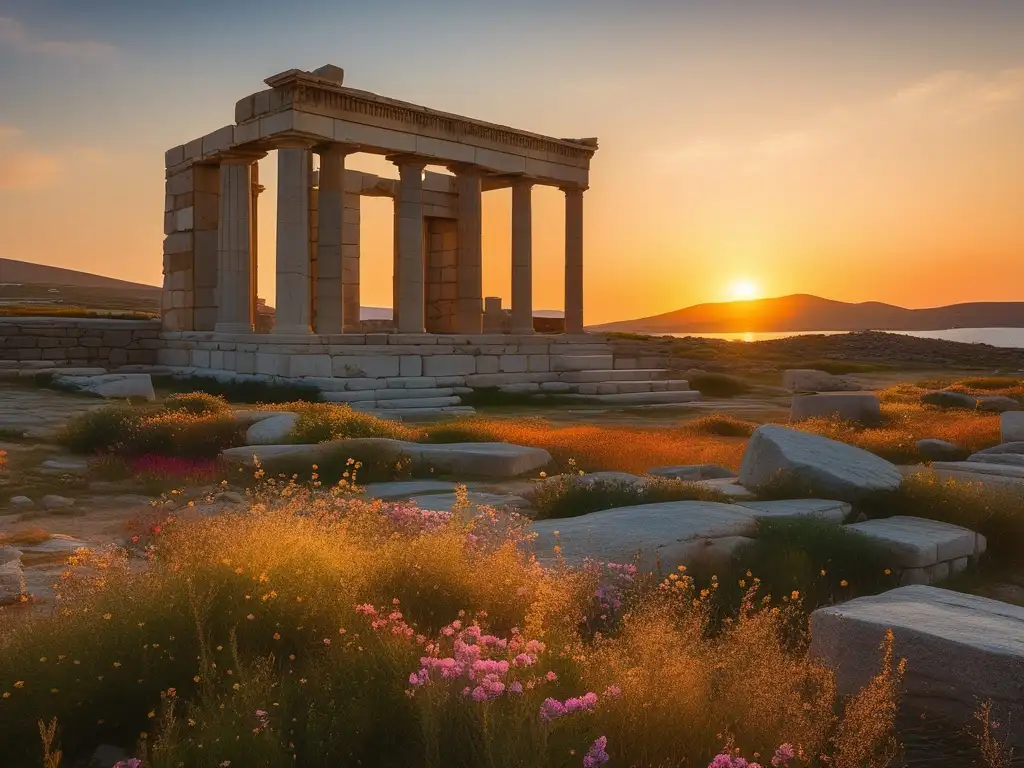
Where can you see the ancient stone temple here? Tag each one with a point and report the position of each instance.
(436, 340)
(213, 192)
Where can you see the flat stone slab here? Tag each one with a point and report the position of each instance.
(673, 533)
(914, 542)
(112, 385)
(272, 431)
(960, 650)
(444, 502)
(729, 486)
(965, 476)
(981, 468)
(789, 509)
(1011, 447)
(404, 489)
(1010, 459)
(827, 468)
(691, 472)
(65, 466)
(1011, 426)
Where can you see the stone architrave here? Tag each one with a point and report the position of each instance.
(469, 311)
(522, 256)
(409, 240)
(573, 259)
(294, 310)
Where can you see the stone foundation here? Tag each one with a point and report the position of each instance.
(80, 341)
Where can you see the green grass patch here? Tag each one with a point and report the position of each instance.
(718, 384)
(720, 425)
(814, 561)
(239, 391)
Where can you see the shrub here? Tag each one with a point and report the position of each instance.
(133, 431)
(720, 424)
(718, 384)
(234, 391)
(996, 512)
(987, 383)
(571, 495)
(317, 630)
(198, 403)
(321, 422)
(823, 563)
(108, 429)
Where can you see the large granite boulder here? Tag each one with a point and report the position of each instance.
(931, 449)
(1011, 426)
(1001, 469)
(997, 404)
(858, 407)
(809, 380)
(823, 467)
(960, 650)
(923, 551)
(944, 399)
(1012, 459)
(11, 577)
(111, 385)
(671, 533)
(272, 431)
(1004, 447)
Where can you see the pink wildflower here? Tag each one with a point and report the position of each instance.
(597, 756)
(783, 754)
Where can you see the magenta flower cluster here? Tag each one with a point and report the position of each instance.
(131, 762)
(597, 755)
(552, 709)
(783, 754)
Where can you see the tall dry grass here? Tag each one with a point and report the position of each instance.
(318, 630)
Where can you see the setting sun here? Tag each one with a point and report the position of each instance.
(744, 290)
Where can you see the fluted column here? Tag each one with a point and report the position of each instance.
(331, 214)
(469, 316)
(573, 259)
(350, 320)
(254, 229)
(410, 244)
(522, 256)
(294, 166)
(234, 244)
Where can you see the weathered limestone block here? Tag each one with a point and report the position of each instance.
(112, 385)
(273, 430)
(1011, 426)
(858, 407)
(914, 542)
(670, 533)
(365, 367)
(809, 380)
(449, 365)
(824, 467)
(960, 649)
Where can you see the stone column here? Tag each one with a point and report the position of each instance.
(522, 256)
(234, 247)
(350, 319)
(331, 216)
(573, 259)
(410, 244)
(294, 166)
(469, 318)
(254, 271)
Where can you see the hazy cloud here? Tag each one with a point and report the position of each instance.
(16, 35)
(965, 95)
(22, 167)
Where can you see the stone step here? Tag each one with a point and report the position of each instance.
(641, 398)
(419, 414)
(381, 395)
(560, 363)
(600, 376)
(633, 387)
(413, 402)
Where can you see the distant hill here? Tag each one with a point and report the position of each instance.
(813, 313)
(12, 271)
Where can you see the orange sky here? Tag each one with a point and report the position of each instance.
(859, 154)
